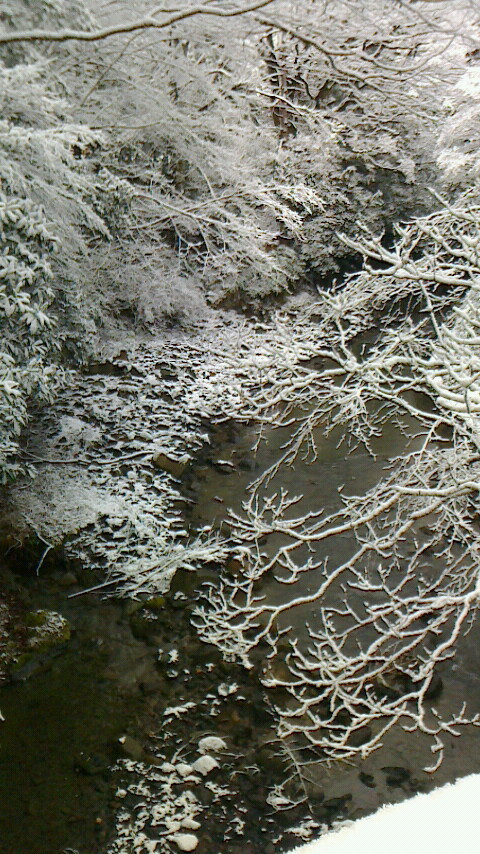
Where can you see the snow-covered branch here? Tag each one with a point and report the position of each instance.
(383, 618)
(148, 22)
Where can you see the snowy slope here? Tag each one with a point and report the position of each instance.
(444, 822)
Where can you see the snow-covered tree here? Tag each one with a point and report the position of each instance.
(395, 606)
(398, 344)
(193, 103)
(257, 150)
(154, 142)
(48, 215)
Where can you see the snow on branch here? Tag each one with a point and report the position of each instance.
(145, 23)
(383, 618)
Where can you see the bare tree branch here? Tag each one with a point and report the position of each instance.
(395, 606)
(145, 23)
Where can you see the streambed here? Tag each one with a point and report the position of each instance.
(398, 767)
(64, 711)
(64, 720)
(90, 726)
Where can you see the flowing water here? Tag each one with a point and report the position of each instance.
(218, 486)
(64, 720)
(64, 713)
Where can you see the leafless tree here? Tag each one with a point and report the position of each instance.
(399, 343)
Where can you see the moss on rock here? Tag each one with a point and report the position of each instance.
(46, 629)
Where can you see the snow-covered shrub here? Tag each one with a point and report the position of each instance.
(28, 346)
(50, 214)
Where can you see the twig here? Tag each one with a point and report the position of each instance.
(92, 589)
(83, 462)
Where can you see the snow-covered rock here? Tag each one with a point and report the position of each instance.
(205, 764)
(185, 841)
(444, 821)
(211, 743)
(184, 769)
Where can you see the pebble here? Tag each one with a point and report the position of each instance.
(185, 841)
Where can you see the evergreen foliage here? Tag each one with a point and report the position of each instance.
(50, 214)
(28, 340)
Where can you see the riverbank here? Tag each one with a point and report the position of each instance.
(130, 497)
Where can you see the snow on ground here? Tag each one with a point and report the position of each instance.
(443, 821)
(107, 458)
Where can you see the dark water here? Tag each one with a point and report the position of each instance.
(219, 487)
(62, 726)
(61, 730)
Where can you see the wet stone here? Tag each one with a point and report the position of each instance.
(319, 813)
(337, 805)
(46, 629)
(146, 625)
(172, 674)
(155, 604)
(396, 776)
(367, 779)
(316, 794)
(246, 463)
(166, 463)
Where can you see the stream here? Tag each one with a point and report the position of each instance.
(64, 713)
(103, 697)
(398, 766)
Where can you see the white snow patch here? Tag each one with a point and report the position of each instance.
(150, 845)
(470, 83)
(167, 768)
(183, 769)
(172, 824)
(176, 711)
(443, 821)
(190, 823)
(226, 688)
(238, 825)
